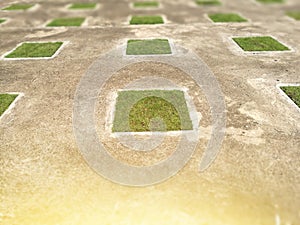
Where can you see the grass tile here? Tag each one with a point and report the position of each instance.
(226, 17)
(294, 14)
(32, 50)
(19, 7)
(148, 47)
(264, 43)
(83, 6)
(66, 22)
(145, 4)
(5, 101)
(208, 2)
(146, 20)
(293, 92)
(139, 111)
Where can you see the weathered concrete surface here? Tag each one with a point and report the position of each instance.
(255, 179)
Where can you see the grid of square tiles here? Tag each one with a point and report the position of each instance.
(142, 18)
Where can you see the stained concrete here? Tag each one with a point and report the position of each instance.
(255, 178)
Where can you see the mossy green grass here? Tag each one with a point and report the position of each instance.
(151, 110)
(66, 22)
(138, 20)
(146, 4)
(35, 50)
(148, 47)
(208, 2)
(5, 101)
(263, 43)
(226, 18)
(294, 14)
(83, 6)
(18, 7)
(293, 92)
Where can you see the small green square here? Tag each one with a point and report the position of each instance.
(293, 92)
(226, 18)
(145, 4)
(148, 47)
(208, 2)
(140, 111)
(5, 101)
(146, 20)
(2, 20)
(35, 50)
(294, 14)
(66, 22)
(260, 44)
(270, 1)
(83, 6)
(18, 7)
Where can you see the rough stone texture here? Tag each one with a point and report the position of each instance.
(256, 177)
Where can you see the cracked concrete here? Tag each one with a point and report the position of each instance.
(255, 178)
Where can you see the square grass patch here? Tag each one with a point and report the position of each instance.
(19, 7)
(35, 50)
(146, 4)
(82, 6)
(293, 92)
(5, 101)
(265, 43)
(208, 2)
(148, 47)
(135, 20)
(226, 18)
(66, 22)
(270, 1)
(143, 111)
(2, 20)
(295, 15)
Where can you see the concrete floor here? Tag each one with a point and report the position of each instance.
(255, 179)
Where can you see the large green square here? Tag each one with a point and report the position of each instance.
(135, 20)
(32, 50)
(18, 7)
(226, 18)
(140, 111)
(148, 47)
(294, 14)
(264, 43)
(66, 22)
(208, 2)
(293, 92)
(5, 101)
(82, 6)
(145, 4)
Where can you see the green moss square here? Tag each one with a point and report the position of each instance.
(148, 47)
(260, 44)
(293, 92)
(146, 20)
(270, 1)
(18, 7)
(66, 22)
(83, 6)
(294, 14)
(5, 101)
(141, 111)
(145, 4)
(226, 18)
(2, 20)
(32, 50)
(208, 2)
